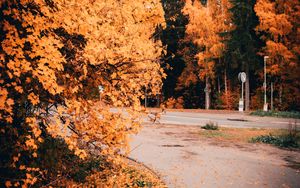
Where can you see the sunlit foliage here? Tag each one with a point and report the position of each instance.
(53, 56)
(278, 24)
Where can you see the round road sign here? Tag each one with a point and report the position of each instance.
(242, 77)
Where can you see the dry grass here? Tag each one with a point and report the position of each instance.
(133, 174)
(237, 134)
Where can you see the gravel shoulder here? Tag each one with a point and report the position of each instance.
(185, 159)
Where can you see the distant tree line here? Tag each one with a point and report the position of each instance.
(210, 42)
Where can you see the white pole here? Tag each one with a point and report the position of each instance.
(243, 92)
(265, 83)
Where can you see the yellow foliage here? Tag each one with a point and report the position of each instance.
(269, 20)
(8, 184)
(33, 98)
(206, 32)
(278, 24)
(174, 103)
(127, 177)
(229, 100)
(50, 66)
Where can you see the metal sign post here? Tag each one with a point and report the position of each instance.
(242, 78)
(265, 84)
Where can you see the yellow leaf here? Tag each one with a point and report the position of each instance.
(22, 167)
(8, 184)
(34, 154)
(15, 158)
(19, 89)
(9, 119)
(33, 98)
(9, 102)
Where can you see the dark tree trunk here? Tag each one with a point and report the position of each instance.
(225, 82)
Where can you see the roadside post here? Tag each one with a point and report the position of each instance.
(242, 78)
(265, 84)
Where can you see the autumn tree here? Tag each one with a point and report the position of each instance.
(53, 56)
(278, 24)
(206, 23)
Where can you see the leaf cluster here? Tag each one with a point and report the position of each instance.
(50, 71)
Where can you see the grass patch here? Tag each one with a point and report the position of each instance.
(215, 134)
(283, 114)
(284, 138)
(235, 134)
(289, 138)
(142, 177)
(210, 126)
(284, 141)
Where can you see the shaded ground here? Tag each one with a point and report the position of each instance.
(187, 158)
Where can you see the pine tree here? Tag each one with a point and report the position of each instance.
(171, 37)
(244, 44)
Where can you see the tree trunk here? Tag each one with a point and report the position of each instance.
(219, 87)
(247, 91)
(280, 95)
(225, 82)
(226, 90)
(145, 98)
(207, 91)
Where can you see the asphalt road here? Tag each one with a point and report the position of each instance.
(225, 119)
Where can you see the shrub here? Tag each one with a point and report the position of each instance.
(229, 100)
(174, 103)
(286, 140)
(210, 126)
(280, 141)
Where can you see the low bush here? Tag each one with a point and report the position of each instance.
(173, 103)
(55, 161)
(210, 126)
(289, 139)
(284, 141)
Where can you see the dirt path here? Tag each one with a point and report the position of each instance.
(185, 159)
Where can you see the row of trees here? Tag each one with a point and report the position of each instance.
(224, 37)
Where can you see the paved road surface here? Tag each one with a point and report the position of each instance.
(185, 160)
(225, 119)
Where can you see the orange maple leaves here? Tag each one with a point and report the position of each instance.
(50, 66)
